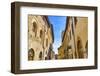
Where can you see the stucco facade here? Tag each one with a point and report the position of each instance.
(75, 39)
(40, 37)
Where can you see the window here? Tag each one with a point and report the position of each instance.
(34, 28)
(40, 56)
(31, 54)
(41, 34)
(80, 48)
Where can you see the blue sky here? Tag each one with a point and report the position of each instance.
(58, 23)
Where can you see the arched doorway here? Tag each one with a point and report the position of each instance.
(40, 56)
(86, 49)
(31, 54)
(80, 48)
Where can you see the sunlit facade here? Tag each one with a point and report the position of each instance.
(40, 37)
(75, 39)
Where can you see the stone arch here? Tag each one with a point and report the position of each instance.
(80, 48)
(31, 54)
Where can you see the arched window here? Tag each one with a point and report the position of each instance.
(40, 56)
(80, 48)
(31, 54)
(34, 29)
(41, 34)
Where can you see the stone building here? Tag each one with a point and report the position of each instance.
(74, 39)
(51, 54)
(40, 37)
